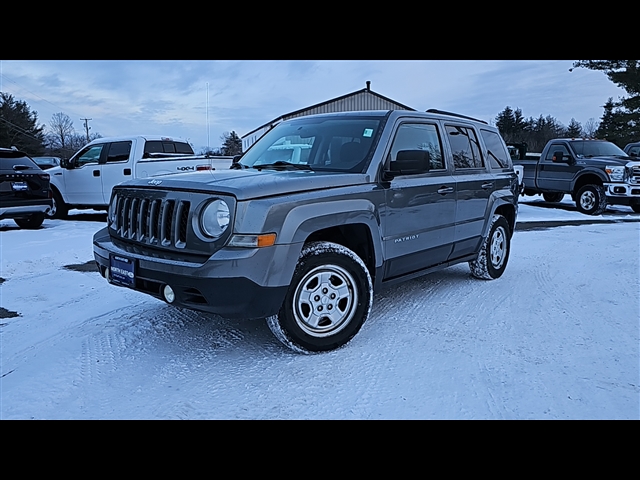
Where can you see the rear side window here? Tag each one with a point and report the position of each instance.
(119, 152)
(163, 146)
(498, 155)
(464, 147)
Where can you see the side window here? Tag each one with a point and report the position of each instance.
(557, 148)
(89, 155)
(185, 148)
(464, 146)
(119, 152)
(419, 136)
(498, 156)
(634, 151)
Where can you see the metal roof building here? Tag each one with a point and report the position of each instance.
(364, 99)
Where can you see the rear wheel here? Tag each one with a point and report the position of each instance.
(553, 197)
(494, 254)
(34, 221)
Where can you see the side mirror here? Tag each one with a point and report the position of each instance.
(236, 158)
(65, 163)
(557, 157)
(410, 162)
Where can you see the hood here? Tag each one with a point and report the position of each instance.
(602, 161)
(251, 183)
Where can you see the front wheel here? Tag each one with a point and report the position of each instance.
(494, 253)
(59, 209)
(328, 301)
(591, 200)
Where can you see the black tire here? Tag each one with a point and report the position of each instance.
(553, 197)
(494, 253)
(31, 222)
(635, 208)
(328, 301)
(591, 200)
(60, 209)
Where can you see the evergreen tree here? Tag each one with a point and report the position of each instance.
(19, 126)
(621, 120)
(231, 145)
(574, 130)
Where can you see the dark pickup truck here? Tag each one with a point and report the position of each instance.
(596, 173)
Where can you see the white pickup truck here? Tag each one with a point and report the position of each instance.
(85, 180)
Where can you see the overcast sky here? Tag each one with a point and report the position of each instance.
(170, 97)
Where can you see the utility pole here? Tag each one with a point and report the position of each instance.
(86, 126)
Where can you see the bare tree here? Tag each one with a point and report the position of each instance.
(590, 127)
(61, 129)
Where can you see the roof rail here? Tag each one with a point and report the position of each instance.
(442, 112)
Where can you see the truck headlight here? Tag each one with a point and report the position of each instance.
(214, 218)
(615, 173)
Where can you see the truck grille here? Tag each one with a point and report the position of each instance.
(161, 222)
(635, 174)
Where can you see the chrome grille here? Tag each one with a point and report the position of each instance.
(635, 174)
(161, 222)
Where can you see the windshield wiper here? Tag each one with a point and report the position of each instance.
(281, 164)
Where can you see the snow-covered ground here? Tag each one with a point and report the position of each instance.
(555, 338)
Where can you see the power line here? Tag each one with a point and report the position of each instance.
(35, 94)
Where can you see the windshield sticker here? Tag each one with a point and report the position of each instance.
(367, 132)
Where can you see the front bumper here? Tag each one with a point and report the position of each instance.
(232, 283)
(622, 193)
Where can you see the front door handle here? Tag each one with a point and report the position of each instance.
(487, 186)
(445, 190)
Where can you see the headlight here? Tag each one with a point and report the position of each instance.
(615, 173)
(214, 218)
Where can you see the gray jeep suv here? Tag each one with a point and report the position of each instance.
(305, 241)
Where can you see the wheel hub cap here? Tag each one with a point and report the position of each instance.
(325, 301)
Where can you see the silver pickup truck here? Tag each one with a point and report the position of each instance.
(305, 240)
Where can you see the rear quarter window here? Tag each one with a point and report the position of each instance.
(496, 150)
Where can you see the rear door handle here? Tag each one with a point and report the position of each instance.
(487, 186)
(127, 171)
(445, 190)
(96, 173)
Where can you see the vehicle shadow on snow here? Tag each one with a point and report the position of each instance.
(569, 207)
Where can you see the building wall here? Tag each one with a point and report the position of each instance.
(358, 101)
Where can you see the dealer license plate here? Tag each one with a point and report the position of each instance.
(122, 270)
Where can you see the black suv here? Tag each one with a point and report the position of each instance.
(25, 195)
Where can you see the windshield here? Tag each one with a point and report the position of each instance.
(591, 148)
(328, 143)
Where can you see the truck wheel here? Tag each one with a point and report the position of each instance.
(494, 253)
(591, 200)
(33, 221)
(553, 197)
(329, 299)
(60, 209)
